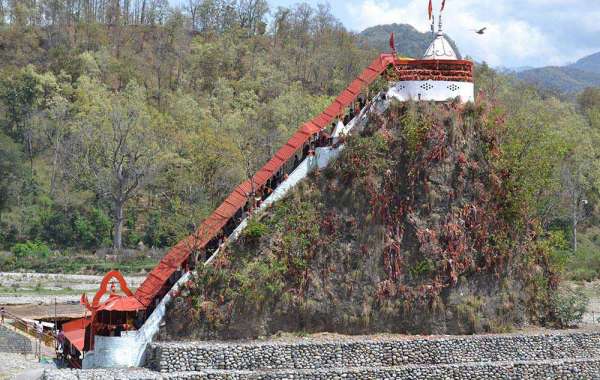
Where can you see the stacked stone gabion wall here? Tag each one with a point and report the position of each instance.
(101, 374)
(12, 342)
(170, 357)
(569, 369)
(560, 355)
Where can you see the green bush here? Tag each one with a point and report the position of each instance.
(56, 227)
(582, 274)
(470, 314)
(421, 268)
(30, 249)
(415, 127)
(255, 230)
(92, 230)
(153, 236)
(84, 231)
(558, 246)
(8, 234)
(75, 262)
(568, 306)
(131, 236)
(160, 231)
(584, 265)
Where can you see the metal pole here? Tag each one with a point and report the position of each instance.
(55, 326)
(38, 348)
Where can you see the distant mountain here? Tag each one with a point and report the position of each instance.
(573, 78)
(522, 68)
(409, 41)
(590, 63)
(512, 70)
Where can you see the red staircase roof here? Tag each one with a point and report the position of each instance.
(217, 220)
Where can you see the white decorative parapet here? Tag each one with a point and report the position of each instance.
(439, 91)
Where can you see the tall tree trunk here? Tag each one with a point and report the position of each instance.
(2, 15)
(54, 164)
(143, 13)
(118, 230)
(575, 222)
(29, 142)
(126, 12)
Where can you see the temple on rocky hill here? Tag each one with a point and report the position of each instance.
(119, 326)
(438, 76)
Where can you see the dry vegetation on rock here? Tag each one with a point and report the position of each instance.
(413, 229)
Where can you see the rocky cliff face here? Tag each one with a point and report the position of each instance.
(412, 230)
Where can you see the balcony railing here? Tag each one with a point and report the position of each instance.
(437, 70)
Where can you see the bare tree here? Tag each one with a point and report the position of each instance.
(2, 12)
(251, 14)
(579, 171)
(192, 8)
(116, 150)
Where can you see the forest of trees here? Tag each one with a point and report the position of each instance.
(127, 121)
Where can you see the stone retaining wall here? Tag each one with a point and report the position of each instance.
(13, 342)
(563, 369)
(182, 357)
(558, 355)
(101, 374)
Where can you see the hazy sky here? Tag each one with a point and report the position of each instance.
(520, 32)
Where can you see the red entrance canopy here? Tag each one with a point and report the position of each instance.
(76, 338)
(74, 332)
(121, 303)
(76, 324)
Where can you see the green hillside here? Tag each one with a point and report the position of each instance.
(560, 79)
(187, 105)
(571, 79)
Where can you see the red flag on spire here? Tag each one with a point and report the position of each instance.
(443, 5)
(392, 43)
(430, 9)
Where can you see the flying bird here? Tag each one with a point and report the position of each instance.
(480, 31)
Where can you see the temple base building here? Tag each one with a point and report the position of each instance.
(439, 76)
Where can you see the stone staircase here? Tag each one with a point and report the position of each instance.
(556, 355)
(14, 342)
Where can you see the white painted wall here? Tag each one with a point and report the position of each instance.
(439, 91)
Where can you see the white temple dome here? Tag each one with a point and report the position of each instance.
(440, 48)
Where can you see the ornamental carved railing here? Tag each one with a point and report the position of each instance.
(437, 70)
